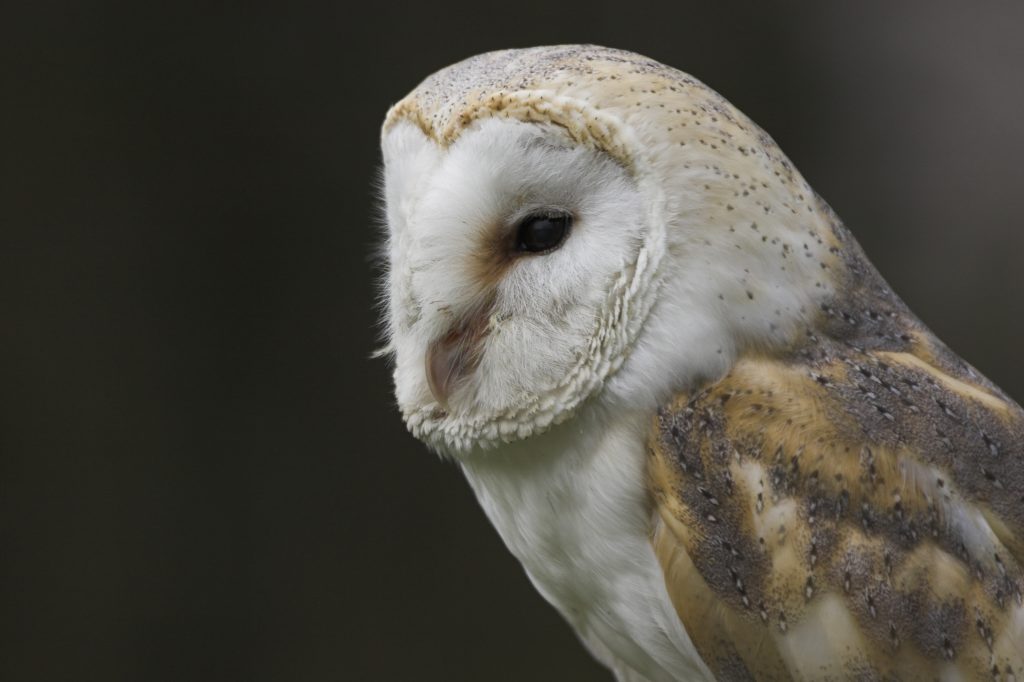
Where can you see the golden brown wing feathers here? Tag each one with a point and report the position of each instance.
(843, 512)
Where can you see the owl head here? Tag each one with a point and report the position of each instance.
(572, 226)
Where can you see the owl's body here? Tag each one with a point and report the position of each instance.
(719, 444)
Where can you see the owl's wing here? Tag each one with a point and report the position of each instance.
(854, 514)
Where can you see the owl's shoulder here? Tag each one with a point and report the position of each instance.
(847, 505)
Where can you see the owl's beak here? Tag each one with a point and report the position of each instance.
(453, 356)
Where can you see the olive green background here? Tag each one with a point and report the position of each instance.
(202, 474)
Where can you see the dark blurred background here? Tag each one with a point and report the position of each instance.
(202, 474)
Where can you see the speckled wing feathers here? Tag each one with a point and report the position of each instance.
(852, 508)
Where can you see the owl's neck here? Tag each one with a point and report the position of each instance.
(572, 506)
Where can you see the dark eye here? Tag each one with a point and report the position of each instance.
(542, 232)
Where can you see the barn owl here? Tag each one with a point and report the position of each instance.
(719, 444)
